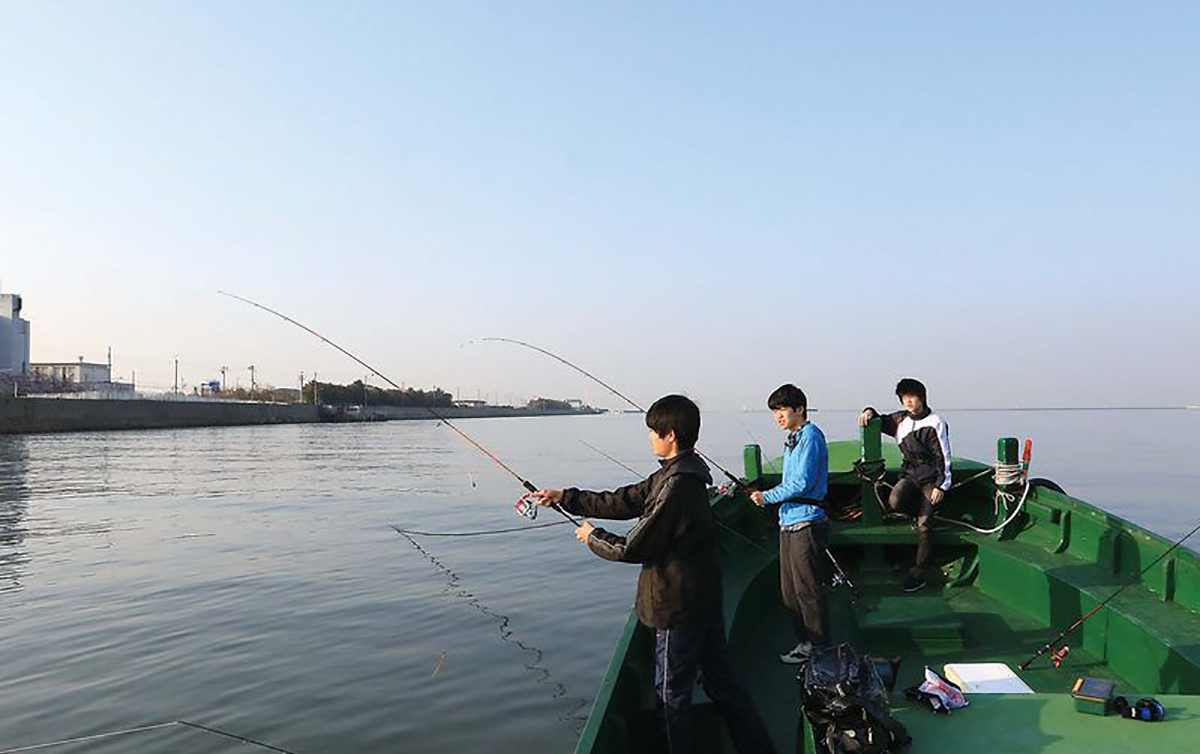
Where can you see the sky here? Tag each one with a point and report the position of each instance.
(711, 198)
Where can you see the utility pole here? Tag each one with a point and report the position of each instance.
(301, 388)
(252, 384)
(316, 386)
(365, 389)
(176, 375)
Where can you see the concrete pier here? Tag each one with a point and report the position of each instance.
(31, 415)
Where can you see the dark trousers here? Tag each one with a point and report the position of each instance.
(803, 568)
(698, 647)
(912, 500)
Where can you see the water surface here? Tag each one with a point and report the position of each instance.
(248, 577)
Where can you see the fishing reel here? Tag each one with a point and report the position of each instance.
(1057, 656)
(527, 506)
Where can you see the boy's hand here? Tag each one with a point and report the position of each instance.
(936, 496)
(866, 416)
(756, 497)
(547, 497)
(584, 531)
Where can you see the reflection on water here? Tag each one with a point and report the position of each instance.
(14, 502)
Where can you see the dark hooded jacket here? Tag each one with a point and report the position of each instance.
(674, 539)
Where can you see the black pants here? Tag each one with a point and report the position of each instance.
(698, 647)
(912, 500)
(803, 569)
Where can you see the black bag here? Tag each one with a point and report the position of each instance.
(847, 703)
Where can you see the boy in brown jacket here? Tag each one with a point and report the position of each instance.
(679, 588)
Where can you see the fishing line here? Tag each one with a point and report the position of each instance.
(482, 533)
(607, 387)
(503, 623)
(143, 729)
(1052, 645)
(530, 486)
(837, 567)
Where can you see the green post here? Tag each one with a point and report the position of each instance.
(752, 461)
(1007, 450)
(872, 450)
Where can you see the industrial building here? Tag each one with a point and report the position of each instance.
(14, 338)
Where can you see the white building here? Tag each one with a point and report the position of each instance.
(72, 373)
(76, 377)
(14, 337)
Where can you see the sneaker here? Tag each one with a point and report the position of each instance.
(797, 654)
(913, 583)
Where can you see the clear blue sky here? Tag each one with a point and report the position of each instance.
(998, 198)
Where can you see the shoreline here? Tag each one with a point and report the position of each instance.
(47, 415)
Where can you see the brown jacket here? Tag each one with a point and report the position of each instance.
(674, 539)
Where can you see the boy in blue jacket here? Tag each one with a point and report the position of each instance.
(803, 525)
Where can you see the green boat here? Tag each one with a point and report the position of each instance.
(998, 598)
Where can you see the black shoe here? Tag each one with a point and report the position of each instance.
(913, 584)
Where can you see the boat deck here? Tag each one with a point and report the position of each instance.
(991, 599)
(991, 632)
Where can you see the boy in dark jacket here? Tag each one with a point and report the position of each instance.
(924, 441)
(679, 588)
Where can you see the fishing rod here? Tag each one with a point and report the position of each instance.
(528, 485)
(839, 575)
(1057, 654)
(738, 483)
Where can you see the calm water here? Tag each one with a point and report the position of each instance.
(247, 577)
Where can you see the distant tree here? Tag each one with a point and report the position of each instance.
(354, 393)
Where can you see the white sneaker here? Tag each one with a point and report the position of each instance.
(798, 654)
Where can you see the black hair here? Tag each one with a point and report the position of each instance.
(788, 396)
(675, 413)
(909, 386)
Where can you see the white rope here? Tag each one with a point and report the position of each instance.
(1007, 475)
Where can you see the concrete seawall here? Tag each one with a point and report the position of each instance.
(37, 415)
(30, 415)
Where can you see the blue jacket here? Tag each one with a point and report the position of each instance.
(805, 478)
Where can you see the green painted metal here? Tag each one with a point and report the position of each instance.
(871, 441)
(999, 601)
(1008, 450)
(753, 461)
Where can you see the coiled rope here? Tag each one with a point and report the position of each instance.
(1006, 476)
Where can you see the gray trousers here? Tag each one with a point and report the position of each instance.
(803, 569)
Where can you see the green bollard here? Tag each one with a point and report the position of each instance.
(872, 450)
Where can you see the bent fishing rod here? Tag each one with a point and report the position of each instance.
(740, 483)
(1052, 646)
(839, 575)
(528, 485)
